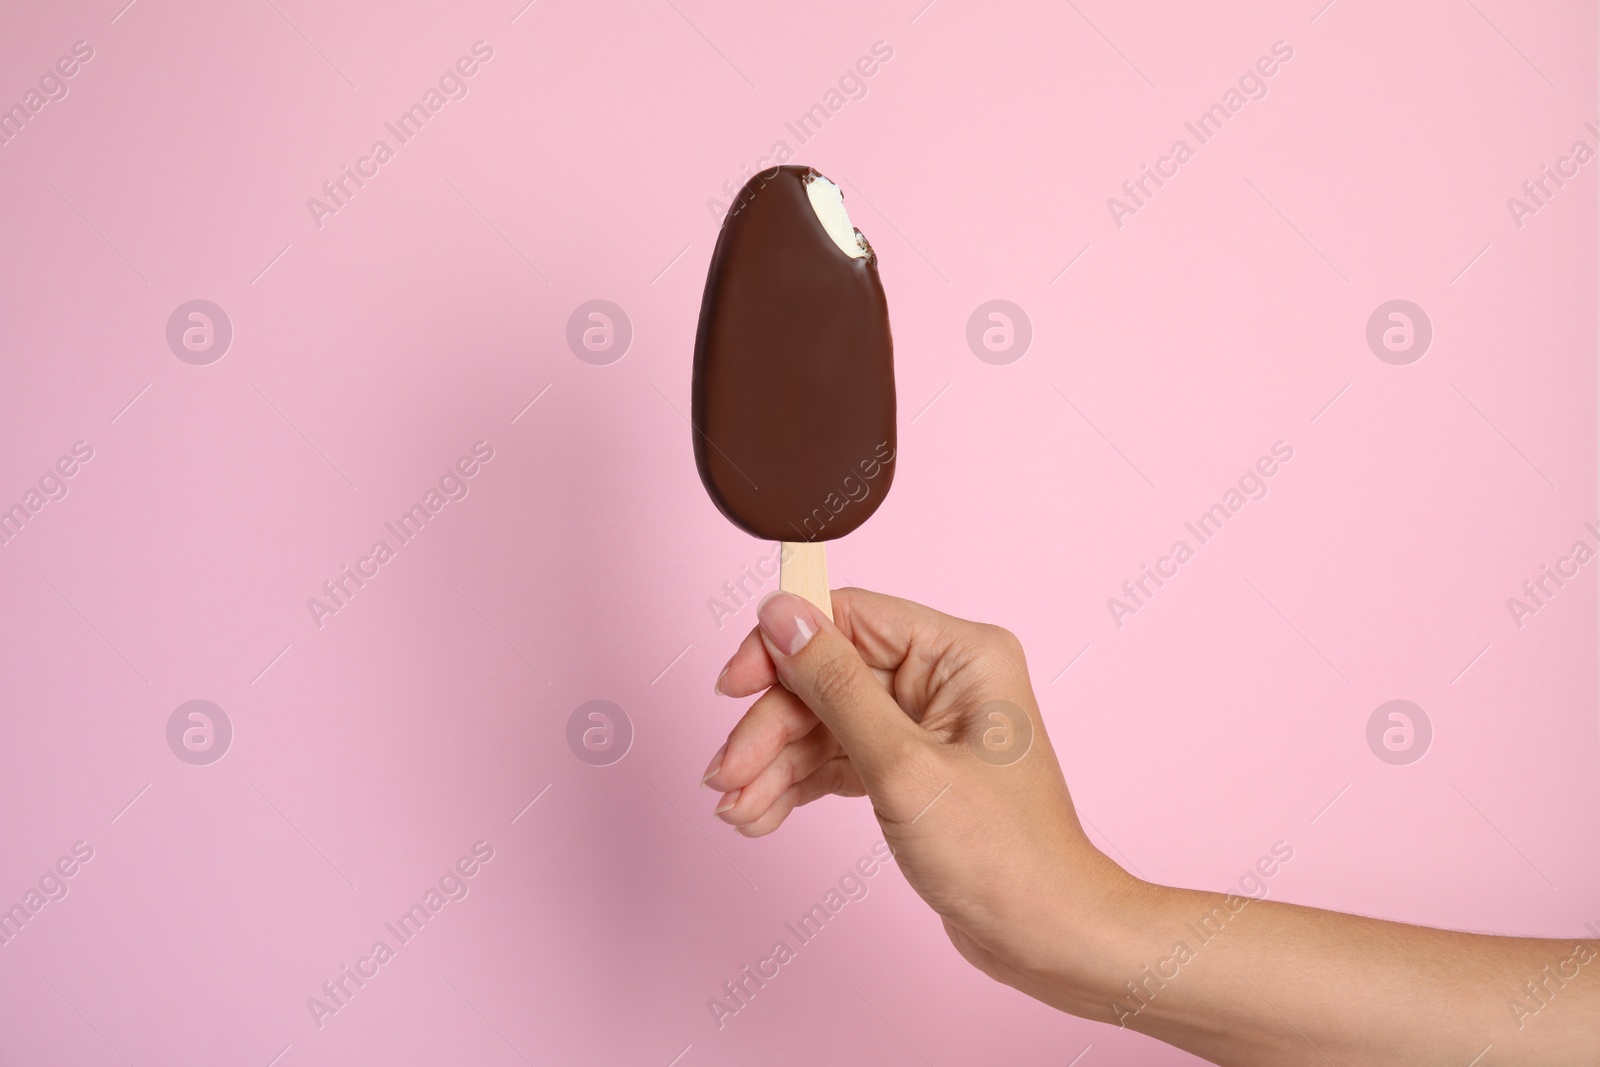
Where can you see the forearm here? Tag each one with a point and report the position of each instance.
(1246, 982)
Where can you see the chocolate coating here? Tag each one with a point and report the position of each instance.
(793, 398)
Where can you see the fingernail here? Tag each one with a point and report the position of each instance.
(788, 621)
(715, 765)
(717, 688)
(728, 802)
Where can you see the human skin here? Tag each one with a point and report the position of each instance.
(885, 702)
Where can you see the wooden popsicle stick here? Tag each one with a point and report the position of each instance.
(803, 571)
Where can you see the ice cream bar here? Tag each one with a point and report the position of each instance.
(793, 398)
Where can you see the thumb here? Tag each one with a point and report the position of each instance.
(819, 665)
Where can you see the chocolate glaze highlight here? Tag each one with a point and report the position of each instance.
(793, 397)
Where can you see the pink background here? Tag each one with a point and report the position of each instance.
(370, 753)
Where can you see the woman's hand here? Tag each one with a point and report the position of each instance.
(934, 718)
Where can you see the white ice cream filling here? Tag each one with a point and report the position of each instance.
(828, 202)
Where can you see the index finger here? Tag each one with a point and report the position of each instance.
(885, 630)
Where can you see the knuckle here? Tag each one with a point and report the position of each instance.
(834, 681)
(1005, 638)
(1002, 643)
(794, 761)
(837, 777)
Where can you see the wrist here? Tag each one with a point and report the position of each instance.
(1098, 942)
